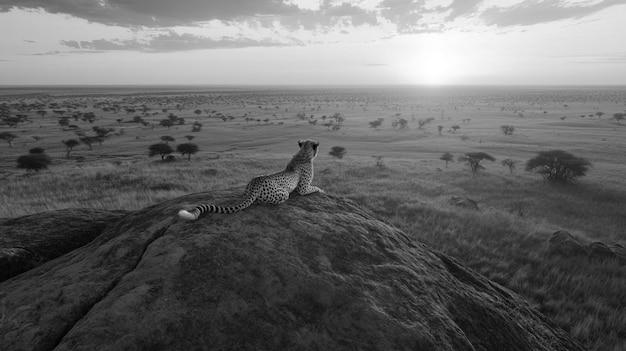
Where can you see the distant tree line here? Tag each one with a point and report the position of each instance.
(556, 166)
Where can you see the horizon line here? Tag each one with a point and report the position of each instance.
(3, 86)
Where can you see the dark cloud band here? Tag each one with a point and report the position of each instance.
(405, 14)
(283, 16)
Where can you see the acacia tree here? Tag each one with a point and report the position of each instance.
(8, 137)
(558, 166)
(509, 163)
(187, 149)
(89, 140)
(448, 157)
(473, 160)
(337, 151)
(69, 145)
(160, 149)
(619, 116)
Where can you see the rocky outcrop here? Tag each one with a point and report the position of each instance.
(565, 244)
(26, 242)
(315, 273)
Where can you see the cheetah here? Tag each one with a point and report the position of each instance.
(275, 188)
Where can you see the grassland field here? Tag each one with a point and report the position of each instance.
(249, 131)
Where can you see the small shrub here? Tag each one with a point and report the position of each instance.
(375, 124)
(507, 129)
(423, 122)
(34, 161)
(379, 161)
(337, 151)
(196, 127)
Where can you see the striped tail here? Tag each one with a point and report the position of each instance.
(200, 209)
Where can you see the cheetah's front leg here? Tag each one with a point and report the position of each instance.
(309, 189)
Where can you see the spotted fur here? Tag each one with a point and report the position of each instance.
(274, 188)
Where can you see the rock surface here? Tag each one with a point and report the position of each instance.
(315, 273)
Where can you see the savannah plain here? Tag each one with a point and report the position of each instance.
(395, 171)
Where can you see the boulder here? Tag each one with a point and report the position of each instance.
(317, 272)
(565, 244)
(29, 241)
(464, 201)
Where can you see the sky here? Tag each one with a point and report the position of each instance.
(313, 42)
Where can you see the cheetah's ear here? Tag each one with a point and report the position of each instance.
(300, 142)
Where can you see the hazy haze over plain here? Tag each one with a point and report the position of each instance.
(476, 42)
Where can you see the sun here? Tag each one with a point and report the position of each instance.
(434, 60)
(435, 70)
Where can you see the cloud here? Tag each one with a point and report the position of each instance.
(172, 41)
(329, 16)
(56, 52)
(616, 58)
(531, 12)
(405, 14)
(462, 7)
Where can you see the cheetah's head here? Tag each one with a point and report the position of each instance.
(308, 148)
